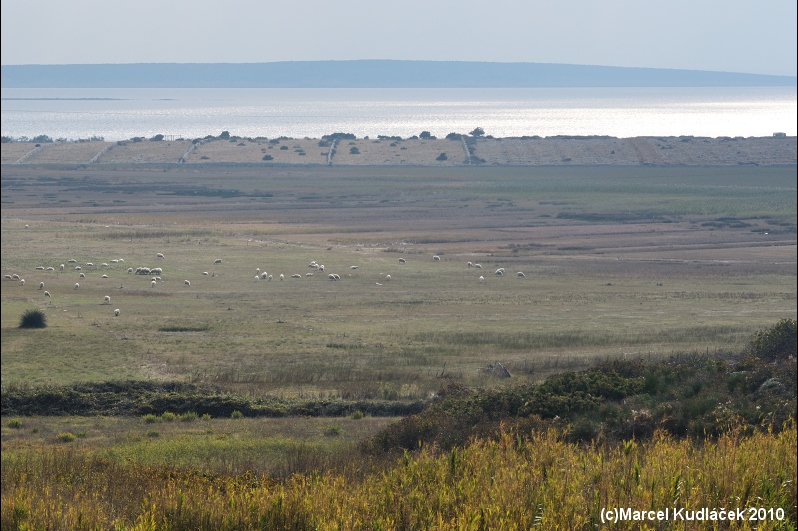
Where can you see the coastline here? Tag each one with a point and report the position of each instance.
(393, 151)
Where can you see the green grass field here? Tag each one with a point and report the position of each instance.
(618, 262)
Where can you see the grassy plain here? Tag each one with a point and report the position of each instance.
(618, 262)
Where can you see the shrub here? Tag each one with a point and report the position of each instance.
(354, 151)
(65, 437)
(43, 139)
(225, 135)
(357, 415)
(284, 148)
(777, 342)
(153, 434)
(33, 319)
(168, 416)
(442, 156)
(188, 416)
(339, 136)
(477, 132)
(425, 135)
(149, 418)
(268, 157)
(206, 416)
(156, 138)
(14, 423)
(236, 414)
(333, 431)
(454, 136)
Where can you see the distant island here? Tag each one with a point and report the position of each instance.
(368, 74)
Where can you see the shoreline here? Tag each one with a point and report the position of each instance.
(394, 151)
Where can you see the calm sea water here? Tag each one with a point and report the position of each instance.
(118, 114)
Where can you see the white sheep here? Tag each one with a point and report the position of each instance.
(50, 269)
(156, 271)
(47, 294)
(500, 272)
(521, 274)
(402, 260)
(107, 299)
(116, 312)
(71, 261)
(114, 261)
(321, 268)
(331, 276)
(104, 276)
(387, 277)
(296, 276)
(61, 267)
(482, 279)
(14, 277)
(264, 275)
(129, 270)
(282, 277)
(159, 255)
(205, 273)
(477, 266)
(269, 278)
(152, 284)
(22, 281)
(103, 265)
(41, 285)
(76, 285)
(308, 274)
(217, 261)
(470, 264)
(82, 275)
(353, 267)
(8, 277)
(257, 271)
(336, 276)
(89, 264)
(39, 268)
(436, 258)
(121, 259)
(257, 277)
(187, 283)
(77, 268)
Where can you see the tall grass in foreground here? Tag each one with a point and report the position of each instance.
(508, 483)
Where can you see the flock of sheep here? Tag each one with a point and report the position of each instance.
(156, 272)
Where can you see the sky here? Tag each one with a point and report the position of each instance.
(751, 36)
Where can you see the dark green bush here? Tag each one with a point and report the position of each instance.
(33, 319)
(442, 156)
(777, 342)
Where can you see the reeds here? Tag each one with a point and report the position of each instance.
(513, 482)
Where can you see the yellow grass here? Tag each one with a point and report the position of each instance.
(146, 151)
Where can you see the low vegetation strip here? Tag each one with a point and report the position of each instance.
(137, 398)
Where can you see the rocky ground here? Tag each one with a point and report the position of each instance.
(524, 151)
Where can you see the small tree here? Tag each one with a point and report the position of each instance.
(157, 138)
(425, 135)
(442, 156)
(354, 151)
(477, 132)
(33, 319)
(225, 135)
(454, 136)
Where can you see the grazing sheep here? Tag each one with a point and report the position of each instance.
(107, 299)
(308, 274)
(152, 284)
(89, 264)
(387, 277)
(282, 277)
(159, 255)
(402, 260)
(296, 276)
(257, 271)
(264, 275)
(482, 279)
(22, 282)
(321, 268)
(61, 267)
(77, 268)
(82, 275)
(8, 277)
(217, 261)
(104, 276)
(257, 277)
(114, 261)
(436, 258)
(333, 276)
(205, 273)
(41, 285)
(76, 285)
(470, 264)
(313, 265)
(377, 283)
(269, 278)
(121, 259)
(50, 269)
(521, 274)
(336, 276)
(129, 270)
(116, 312)
(500, 272)
(156, 271)
(353, 267)
(14, 277)
(187, 283)
(47, 294)
(103, 265)
(39, 268)
(477, 266)
(71, 261)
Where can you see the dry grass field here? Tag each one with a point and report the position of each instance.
(146, 151)
(617, 262)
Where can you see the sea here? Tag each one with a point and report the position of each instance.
(120, 114)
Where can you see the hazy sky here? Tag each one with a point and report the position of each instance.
(754, 36)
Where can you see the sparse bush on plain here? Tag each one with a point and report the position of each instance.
(33, 319)
(65, 437)
(14, 423)
(441, 157)
(168, 416)
(236, 415)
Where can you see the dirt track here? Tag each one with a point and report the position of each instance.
(527, 151)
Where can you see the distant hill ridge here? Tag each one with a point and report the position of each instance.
(368, 74)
